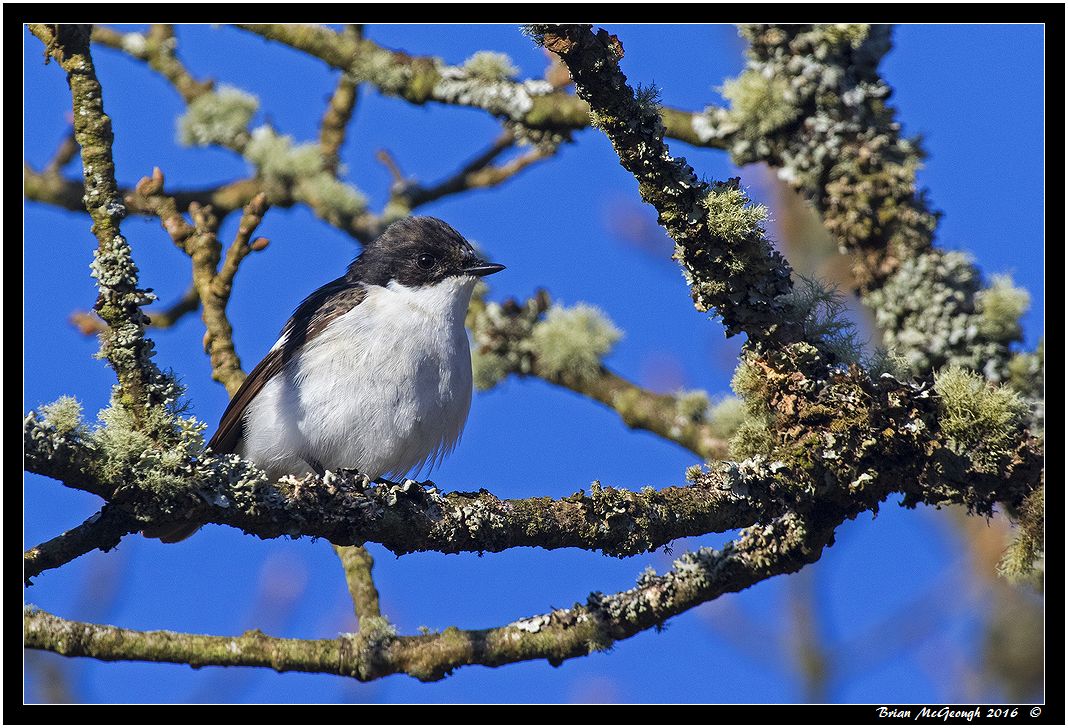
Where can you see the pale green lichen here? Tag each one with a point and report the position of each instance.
(886, 361)
(1000, 307)
(731, 216)
(490, 66)
(984, 420)
(324, 192)
(130, 451)
(64, 415)
(278, 157)
(726, 416)
(1026, 371)
(823, 314)
(752, 437)
(377, 66)
(853, 34)
(752, 434)
(811, 102)
(929, 311)
(759, 104)
(691, 405)
(1021, 560)
(571, 341)
(376, 630)
(487, 368)
(750, 383)
(221, 117)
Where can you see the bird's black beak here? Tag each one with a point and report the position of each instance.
(482, 268)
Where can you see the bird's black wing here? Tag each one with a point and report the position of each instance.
(312, 316)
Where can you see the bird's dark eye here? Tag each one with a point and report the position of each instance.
(426, 262)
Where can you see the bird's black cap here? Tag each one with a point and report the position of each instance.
(418, 251)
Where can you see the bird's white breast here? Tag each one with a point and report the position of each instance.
(385, 388)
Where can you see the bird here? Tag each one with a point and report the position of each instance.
(372, 372)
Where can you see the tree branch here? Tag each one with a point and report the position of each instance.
(834, 138)
(101, 531)
(357, 563)
(157, 50)
(89, 323)
(505, 344)
(783, 546)
(533, 104)
(857, 443)
(339, 112)
(120, 299)
(54, 189)
(476, 174)
(726, 257)
(213, 282)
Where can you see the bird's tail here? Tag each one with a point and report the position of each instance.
(172, 532)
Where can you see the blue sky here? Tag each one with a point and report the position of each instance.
(975, 93)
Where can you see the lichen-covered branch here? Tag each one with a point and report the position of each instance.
(346, 509)
(784, 546)
(851, 444)
(289, 173)
(157, 49)
(564, 346)
(532, 104)
(163, 317)
(720, 241)
(357, 563)
(339, 112)
(479, 173)
(213, 275)
(142, 386)
(811, 103)
(54, 189)
(103, 531)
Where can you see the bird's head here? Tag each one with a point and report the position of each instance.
(419, 251)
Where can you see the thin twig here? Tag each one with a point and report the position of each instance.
(101, 531)
(479, 172)
(65, 152)
(157, 49)
(387, 160)
(335, 121)
(213, 284)
(242, 245)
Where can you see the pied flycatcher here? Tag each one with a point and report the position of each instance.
(372, 372)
